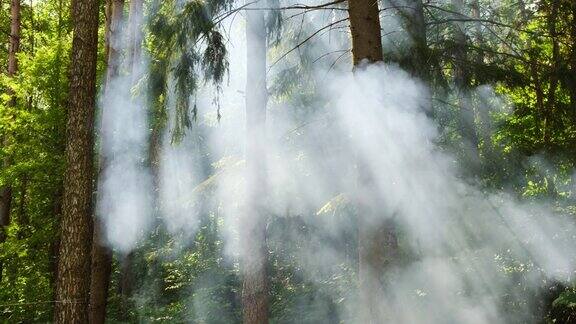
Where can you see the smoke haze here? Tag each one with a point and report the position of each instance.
(468, 253)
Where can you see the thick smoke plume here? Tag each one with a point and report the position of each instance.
(125, 197)
(468, 253)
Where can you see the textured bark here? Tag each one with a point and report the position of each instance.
(101, 254)
(14, 37)
(100, 276)
(14, 47)
(377, 242)
(365, 30)
(255, 251)
(73, 282)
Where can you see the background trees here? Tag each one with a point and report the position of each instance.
(502, 90)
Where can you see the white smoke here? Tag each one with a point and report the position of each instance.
(468, 253)
(125, 197)
(467, 247)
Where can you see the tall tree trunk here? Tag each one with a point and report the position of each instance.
(255, 250)
(100, 275)
(73, 282)
(417, 62)
(462, 82)
(417, 30)
(23, 220)
(377, 242)
(572, 84)
(55, 244)
(135, 37)
(14, 38)
(475, 6)
(555, 71)
(14, 47)
(101, 253)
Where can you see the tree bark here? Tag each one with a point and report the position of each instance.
(101, 253)
(14, 38)
(73, 282)
(14, 47)
(255, 252)
(377, 242)
(365, 30)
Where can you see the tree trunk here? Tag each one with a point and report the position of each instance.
(14, 38)
(23, 220)
(377, 242)
(101, 253)
(462, 82)
(73, 282)
(417, 62)
(55, 244)
(554, 74)
(255, 252)
(365, 30)
(126, 284)
(572, 83)
(14, 47)
(100, 277)
(135, 36)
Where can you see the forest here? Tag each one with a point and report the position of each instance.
(288, 161)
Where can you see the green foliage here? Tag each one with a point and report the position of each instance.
(525, 119)
(33, 124)
(187, 36)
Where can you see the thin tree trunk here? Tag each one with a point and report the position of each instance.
(478, 33)
(126, 284)
(555, 73)
(55, 245)
(572, 84)
(73, 282)
(462, 81)
(108, 12)
(135, 37)
(255, 250)
(377, 242)
(23, 220)
(101, 253)
(14, 38)
(100, 276)
(417, 60)
(14, 47)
